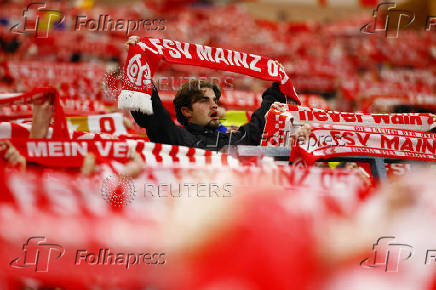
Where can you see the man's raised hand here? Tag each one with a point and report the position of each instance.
(132, 40)
(12, 156)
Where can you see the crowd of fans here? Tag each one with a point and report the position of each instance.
(282, 226)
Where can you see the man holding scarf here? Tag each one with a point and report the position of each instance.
(196, 106)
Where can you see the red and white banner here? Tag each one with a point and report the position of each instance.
(38, 73)
(413, 76)
(313, 101)
(70, 153)
(89, 127)
(335, 3)
(331, 140)
(42, 202)
(423, 122)
(106, 124)
(71, 107)
(357, 88)
(419, 100)
(281, 124)
(348, 3)
(73, 81)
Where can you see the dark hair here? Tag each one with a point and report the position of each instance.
(189, 93)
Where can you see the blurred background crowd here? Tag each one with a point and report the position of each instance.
(320, 44)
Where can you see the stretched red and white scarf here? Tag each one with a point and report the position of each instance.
(144, 57)
(70, 153)
(82, 194)
(332, 140)
(281, 124)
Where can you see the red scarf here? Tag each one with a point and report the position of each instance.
(281, 124)
(60, 129)
(331, 140)
(144, 57)
(70, 153)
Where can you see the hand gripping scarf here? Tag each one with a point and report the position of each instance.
(144, 57)
(60, 129)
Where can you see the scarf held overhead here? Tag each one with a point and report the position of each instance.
(60, 129)
(144, 57)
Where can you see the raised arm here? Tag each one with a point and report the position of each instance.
(251, 133)
(160, 127)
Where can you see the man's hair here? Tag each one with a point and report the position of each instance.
(191, 92)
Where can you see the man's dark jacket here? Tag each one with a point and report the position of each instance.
(161, 128)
